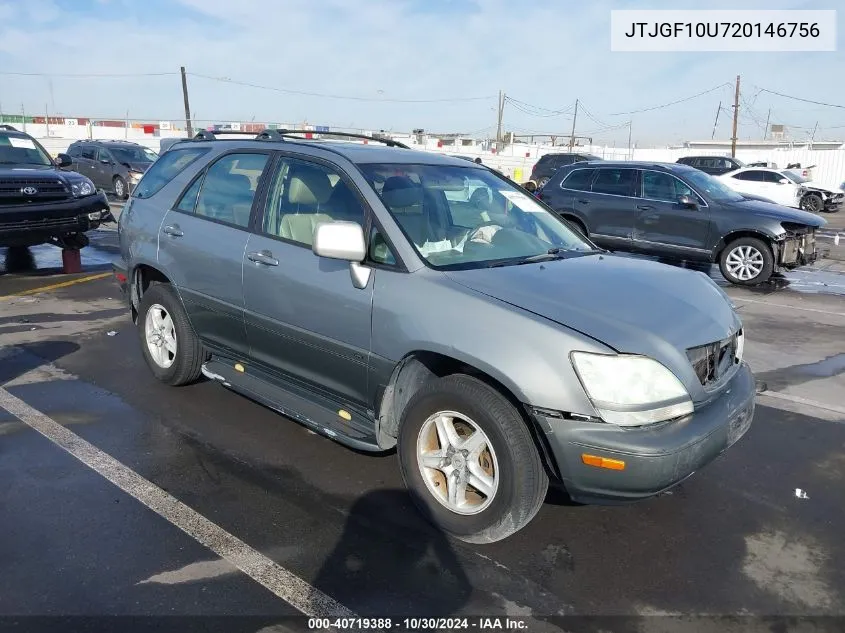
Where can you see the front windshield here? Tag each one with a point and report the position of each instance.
(133, 154)
(20, 150)
(711, 187)
(466, 217)
(794, 177)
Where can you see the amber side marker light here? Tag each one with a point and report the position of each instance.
(602, 462)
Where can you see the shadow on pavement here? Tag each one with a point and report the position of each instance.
(374, 566)
(25, 357)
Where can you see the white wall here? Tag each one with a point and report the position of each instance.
(515, 160)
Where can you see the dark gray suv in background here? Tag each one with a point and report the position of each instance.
(114, 166)
(679, 212)
(389, 298)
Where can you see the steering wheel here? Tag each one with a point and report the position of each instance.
(471, 235)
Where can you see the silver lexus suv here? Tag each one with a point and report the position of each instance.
(389, 298)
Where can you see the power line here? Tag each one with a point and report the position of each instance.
(671, 103)
(538, 111)
(334, 96)
(821, 103)
(86, 75)
(596, 121)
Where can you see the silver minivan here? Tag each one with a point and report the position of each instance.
(394, 299)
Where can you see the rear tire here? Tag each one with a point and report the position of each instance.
(542, 182)
(178, 359)
(510, 467)
(747, 261)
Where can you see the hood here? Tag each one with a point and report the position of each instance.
(631, 305)
(827, 187)
(25, 171)
(139, 167)
(774, 211)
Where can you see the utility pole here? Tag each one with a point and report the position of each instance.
(572, 134)
(813, 137)
(630, 153)
(46, 120)
(501, 112)
(766, 131)
(23, 118)
(716, 122)
(736, 116)
(187, 103)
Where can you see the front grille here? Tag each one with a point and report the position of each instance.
(713, 362)
(70, 223)
(13, 190)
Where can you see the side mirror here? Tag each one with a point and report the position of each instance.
(105, 161)
(340, 240)
(63, 160)
(783, 181)
(688, 202)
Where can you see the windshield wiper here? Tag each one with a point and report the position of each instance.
(552, 253)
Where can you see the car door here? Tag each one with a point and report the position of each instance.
(748, 181)
(666, 227)
(610, 206)
(777, 190)
(85, 161)
(201, 245)
(103, 168)
(305, 320)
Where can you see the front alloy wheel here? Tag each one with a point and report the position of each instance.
(747, 261)
(457, 462)
(813, 203)
(160, 334)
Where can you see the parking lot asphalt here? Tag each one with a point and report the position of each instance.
(733, 539)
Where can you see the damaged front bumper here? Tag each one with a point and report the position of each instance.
(796, 249)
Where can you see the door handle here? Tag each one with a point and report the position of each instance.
(584, 201)
(263, 257)
(173, 230)
(645, 207)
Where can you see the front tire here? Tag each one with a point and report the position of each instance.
(121, 189)
(469, 461)
(747, 261)
(170, 346)
(813, 203)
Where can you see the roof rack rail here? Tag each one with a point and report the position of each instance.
(387, 141)
(280, 135)
(4, 126)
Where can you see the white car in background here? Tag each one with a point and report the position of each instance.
(785, 187)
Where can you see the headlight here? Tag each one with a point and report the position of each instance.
(81, 188)
(631, 390)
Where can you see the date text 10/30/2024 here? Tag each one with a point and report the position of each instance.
(418, 624)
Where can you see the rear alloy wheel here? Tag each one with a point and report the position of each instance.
(813, 203)
(170, 346)
(747, 261)
(121, 190)
(469, 461)
(542, 182)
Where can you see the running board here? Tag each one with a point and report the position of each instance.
(318, 413)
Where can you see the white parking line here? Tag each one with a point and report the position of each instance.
(283, 583)
(799, 400)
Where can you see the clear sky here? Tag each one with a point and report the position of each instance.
(393, 56)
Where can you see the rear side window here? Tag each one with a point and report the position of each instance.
(578, 179)
(166, 169)
(74, 151)
(617, 182)
(755, 174)
(229, 188)
(89, 152)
